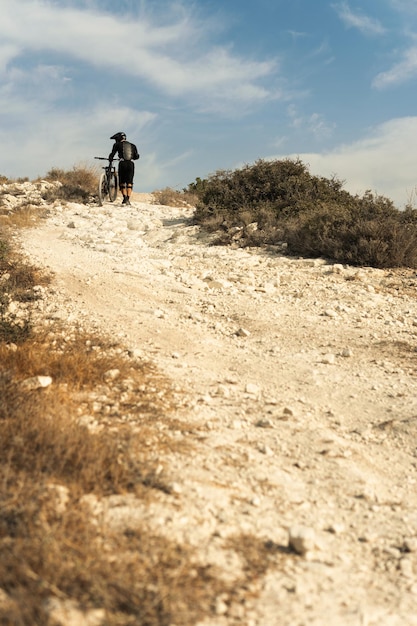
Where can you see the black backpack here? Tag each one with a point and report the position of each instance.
(130, 152)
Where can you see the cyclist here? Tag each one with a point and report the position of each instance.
(127, 153)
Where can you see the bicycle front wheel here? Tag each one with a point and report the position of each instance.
(102, 188)
(113, 187)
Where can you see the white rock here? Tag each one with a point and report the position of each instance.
(302, 539)
(111, 375)
(36, 382)
(264, 423)
(13, 307)
(337, 528)
(242, 332)
(223, 391)
(220, 606)
(406, 567)
(68, 613)
(328, 359)
(135, 353)
(217, 284)
(252, 388)
(59, 494)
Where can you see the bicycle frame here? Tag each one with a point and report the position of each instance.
(107, 186)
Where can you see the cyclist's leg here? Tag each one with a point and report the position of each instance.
(123, 180)
(130, 172)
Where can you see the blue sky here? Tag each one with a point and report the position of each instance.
(205, 85)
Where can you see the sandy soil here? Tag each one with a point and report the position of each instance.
(300, 377)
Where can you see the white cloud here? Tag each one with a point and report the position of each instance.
(51, 138)
(384, 161)
(175, 58)
(365, 24)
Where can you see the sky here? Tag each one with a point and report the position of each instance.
(207, 85)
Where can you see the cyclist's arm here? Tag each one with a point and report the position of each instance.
(113, 152)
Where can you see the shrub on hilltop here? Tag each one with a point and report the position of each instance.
(271, 202)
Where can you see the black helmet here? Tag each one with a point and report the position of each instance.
(118, 136)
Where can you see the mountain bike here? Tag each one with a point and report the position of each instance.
(107, 184)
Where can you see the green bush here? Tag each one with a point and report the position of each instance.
(282, 188)
(272, 202)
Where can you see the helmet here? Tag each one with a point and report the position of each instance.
(118, 136)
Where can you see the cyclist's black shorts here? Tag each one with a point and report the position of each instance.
(126, 172)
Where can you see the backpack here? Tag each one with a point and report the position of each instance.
(130, 152)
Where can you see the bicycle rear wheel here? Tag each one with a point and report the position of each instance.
(113, 187)
(102, 188)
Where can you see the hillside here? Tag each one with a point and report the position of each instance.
(296, 480)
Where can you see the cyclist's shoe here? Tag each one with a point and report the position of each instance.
(128, 202)
(125, 199)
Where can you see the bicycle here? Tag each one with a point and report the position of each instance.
(107, 184)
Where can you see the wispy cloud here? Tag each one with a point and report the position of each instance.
(401, 72)
(175, 59)
(315, 124)
(365, 24)
(66, 65)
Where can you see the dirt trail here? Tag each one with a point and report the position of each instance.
(300, 378)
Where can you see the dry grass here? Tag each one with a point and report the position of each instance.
(63, 553)
(104, 427)
(173, 197)
(52, 549)
(17, 282)
(258, 555)
(48, 553)
(26, 216)
(78, 184)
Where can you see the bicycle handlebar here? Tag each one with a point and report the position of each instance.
(105, 159)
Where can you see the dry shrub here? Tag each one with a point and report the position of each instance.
(354, 236)
(78, 184)
(173, 197)
(17, 281)
(313, 215)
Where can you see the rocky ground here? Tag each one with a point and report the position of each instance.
(300, 379)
